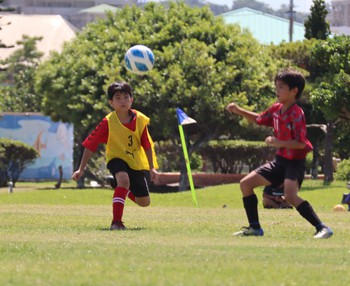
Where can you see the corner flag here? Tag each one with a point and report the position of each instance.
(183, 119)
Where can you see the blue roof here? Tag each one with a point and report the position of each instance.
(264, 27)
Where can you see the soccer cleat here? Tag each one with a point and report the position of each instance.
(249, 231)
(346, 199)
(117, 225)
(325, 232)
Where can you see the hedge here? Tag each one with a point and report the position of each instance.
(236, 156)
(14, 157)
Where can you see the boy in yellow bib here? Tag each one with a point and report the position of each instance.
(129, 151)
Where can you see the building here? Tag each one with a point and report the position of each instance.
(340, 13)
(91, 14)
(339, 17)
(53, 29)
(68, 9)
(264, 27)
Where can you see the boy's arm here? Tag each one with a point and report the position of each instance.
(152, 170)
(98, 136)
(291, 144)
(86, 156)
(147, 146)
(249, 115)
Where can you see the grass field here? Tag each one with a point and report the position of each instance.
(61, 237)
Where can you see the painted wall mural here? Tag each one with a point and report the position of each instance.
(53, 141)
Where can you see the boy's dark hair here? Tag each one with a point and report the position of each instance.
(119, 86)
(293, 79)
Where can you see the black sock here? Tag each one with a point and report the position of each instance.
(251, 208)
(307, 212)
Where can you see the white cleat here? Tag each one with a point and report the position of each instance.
(325, 232)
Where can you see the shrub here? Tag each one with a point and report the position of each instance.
(309, 159)
(169, 156)
(234, 156)
(343, 170)
(14, 157)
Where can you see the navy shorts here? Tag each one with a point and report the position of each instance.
(281, 168)
(138, 182)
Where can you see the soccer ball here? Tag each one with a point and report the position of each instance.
(139, 59)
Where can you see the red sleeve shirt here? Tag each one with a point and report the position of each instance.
(100, 135)
(287, 126)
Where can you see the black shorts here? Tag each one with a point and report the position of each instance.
(138, 182)
(281, 168)
(273, 190)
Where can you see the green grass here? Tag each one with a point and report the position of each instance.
(61, 237)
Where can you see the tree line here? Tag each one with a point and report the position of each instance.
(201, 65)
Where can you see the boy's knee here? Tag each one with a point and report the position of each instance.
(246, 189)
(242, 184)
(291, 199)
(143, 202)
(123, 180)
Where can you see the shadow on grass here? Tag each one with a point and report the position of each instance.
(137, 228)
(73, 188)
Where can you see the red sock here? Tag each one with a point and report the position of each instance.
(118, 203)
(131, 196)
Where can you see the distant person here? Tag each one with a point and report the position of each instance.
(288, 167)
(273, 198)
(129, 151)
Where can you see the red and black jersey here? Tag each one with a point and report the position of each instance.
(287, 126)
(100, 135)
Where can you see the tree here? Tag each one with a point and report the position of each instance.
(15, 156)
(18, 78)
(201, 65)
(329, 65)
(316, 25)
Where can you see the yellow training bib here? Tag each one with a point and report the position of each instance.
(125, 144)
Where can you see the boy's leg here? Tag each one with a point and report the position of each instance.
(141, 201)
(120, 193)
(269, 203)
(250, 202)
(291, 189)
(139, 190)
(119, 170)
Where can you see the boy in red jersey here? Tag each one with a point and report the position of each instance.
(288, 167)
(129, 151)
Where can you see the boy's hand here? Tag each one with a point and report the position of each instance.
(153, 175)
(272, 141)
(232, 107)
(77, 175)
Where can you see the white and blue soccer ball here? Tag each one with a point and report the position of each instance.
(139, 59)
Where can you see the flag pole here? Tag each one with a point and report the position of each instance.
(188, 166)
(182, 120)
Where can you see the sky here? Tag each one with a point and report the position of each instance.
(299, 5)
